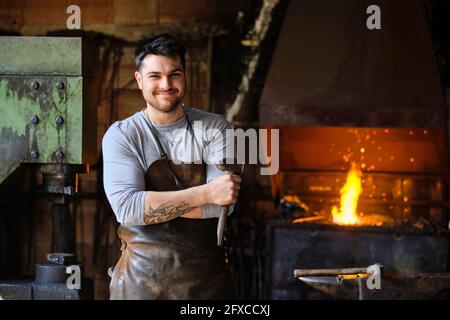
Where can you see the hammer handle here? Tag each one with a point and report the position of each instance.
(221, 225)
(327, 272)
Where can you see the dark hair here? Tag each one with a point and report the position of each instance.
(161, 45)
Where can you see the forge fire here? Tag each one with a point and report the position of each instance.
(347, 214)
(375, 177)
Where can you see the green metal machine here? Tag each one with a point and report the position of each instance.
(47, 123)
(42, 115)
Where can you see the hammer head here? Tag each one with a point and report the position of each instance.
(230, 166)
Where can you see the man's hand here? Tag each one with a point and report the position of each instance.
(223, 190)
(162, 206)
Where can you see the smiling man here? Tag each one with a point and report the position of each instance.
(166, 210)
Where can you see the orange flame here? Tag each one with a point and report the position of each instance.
(350, 192)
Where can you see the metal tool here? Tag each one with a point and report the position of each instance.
(229, 167)
(394, 286)
(332, 272)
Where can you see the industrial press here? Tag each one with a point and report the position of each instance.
(48, 128)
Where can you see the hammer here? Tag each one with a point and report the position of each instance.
(233, 169)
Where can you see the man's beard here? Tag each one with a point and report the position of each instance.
(164, 107)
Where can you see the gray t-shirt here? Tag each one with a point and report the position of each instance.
(129, 149)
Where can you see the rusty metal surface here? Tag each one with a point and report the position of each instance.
(329, 69)
(393, 286)
(40, 55)
(31, 126)
(48, 115)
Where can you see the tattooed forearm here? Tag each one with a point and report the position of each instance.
(165, 212)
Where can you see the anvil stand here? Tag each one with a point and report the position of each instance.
(51, 277)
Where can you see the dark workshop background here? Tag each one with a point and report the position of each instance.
(217, 34)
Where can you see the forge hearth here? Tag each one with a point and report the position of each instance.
(398, 286)
(401, 207)
(312, 245)
(369, 102)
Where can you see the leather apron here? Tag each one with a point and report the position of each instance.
(177, 259)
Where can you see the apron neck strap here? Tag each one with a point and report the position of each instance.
(163, 153)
